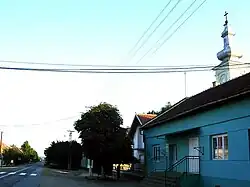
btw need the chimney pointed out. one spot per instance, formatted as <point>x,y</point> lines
<point>214,83</point>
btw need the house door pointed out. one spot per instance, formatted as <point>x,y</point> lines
<point>172,154</point>
<point>193,162</point>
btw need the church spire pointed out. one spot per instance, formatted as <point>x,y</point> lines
<point>228,57</point>
<point>227,53</point>
<point>226,21</point>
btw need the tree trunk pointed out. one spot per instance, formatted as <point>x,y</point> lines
<point>102,172</point>
<point>118,171</point>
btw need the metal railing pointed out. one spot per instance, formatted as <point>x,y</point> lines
<point>188,164</point>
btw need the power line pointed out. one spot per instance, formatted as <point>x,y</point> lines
<point>70,147</point>
<point>90,65</point>
<point>45,123</point>
<point>122,71</point>
<point>149,36</point>
<point>118,67</point>
<point>145,32</point>
<point>169,28</point>
<point>170,36</point>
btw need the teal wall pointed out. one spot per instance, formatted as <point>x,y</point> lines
<point>227,173</point>
<point>182,143</point>
<point>151,164</point>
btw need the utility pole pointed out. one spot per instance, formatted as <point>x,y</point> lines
<point>70,143</point>
<point>1,143</point>
<point>185,83</point>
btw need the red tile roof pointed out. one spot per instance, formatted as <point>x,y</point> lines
<point>139,119</point>
<point>144,118</point>
<point>233,89</point>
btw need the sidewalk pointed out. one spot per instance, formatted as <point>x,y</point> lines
<point>52,181</point>
<point>54,178</point>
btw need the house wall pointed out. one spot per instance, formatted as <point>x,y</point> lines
<point>138,139</point>
<point>226,173</point>
<point>138,144</point>
<point>151,164</point>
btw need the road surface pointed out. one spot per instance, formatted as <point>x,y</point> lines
<point>35,175</point>
<point>22,176</point>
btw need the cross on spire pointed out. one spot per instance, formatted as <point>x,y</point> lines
<point>226,21</point>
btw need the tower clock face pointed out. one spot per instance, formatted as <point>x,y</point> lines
<point>223,78</point>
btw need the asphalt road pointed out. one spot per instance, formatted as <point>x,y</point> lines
<point>22,176</point>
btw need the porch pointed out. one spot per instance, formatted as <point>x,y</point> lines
<point>178,163</point>
<point>179,152</point>
<point>184,151</point>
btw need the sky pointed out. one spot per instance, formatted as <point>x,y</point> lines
<point>41,106</point>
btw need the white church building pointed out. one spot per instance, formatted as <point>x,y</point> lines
<point>232,63</point>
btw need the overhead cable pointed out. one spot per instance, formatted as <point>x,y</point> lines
<point>171,35</point>
<point>115,71</point>
<point>164,34</point>
<point>149,36</point>
<point>145,32</point>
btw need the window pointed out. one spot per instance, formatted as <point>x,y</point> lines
<point>156,152</point>
<point>220,147</point>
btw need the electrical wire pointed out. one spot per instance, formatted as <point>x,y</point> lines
<point>149,36</point>
<point>171,35</point>
<point>121,67</point>
<point>145,32</point>
<point>115,71</point>
<point>98,66</point>
<point>169,28</point>
<point>45,123</point>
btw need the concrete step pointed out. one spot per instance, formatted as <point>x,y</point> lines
<point>158,180</point>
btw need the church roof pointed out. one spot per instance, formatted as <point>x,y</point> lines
<point>221,94</point>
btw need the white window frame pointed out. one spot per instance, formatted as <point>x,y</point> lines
<point>223,146</point>
<point>156,149</point>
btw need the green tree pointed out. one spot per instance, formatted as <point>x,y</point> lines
<point>57,154</point>
<point>29,153</point>
<point>13,153</point>
<point>102,136</point>
<point>163,109</point>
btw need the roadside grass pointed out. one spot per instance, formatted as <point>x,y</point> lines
<point>46,172</point>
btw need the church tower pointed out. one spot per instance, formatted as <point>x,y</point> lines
<point>231,65</point>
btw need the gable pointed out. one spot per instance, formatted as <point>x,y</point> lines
<point>138,121</point>
<point>133,127</point>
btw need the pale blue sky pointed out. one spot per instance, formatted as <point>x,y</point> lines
<point>101,32</point>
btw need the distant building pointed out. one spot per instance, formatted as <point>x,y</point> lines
<point>137,137</point>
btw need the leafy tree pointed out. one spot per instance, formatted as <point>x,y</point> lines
<point>102,136</point>
<point>163,109</point>
<point>57,154</point>
<point>21,155</point>
<point>29,153</point>
<point>13,153</point>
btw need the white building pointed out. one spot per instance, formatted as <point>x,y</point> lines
<point>137,137</point>
<point>232,62</point>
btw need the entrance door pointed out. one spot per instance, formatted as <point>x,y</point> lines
<point>172,154</point>
<point>193,162</point>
